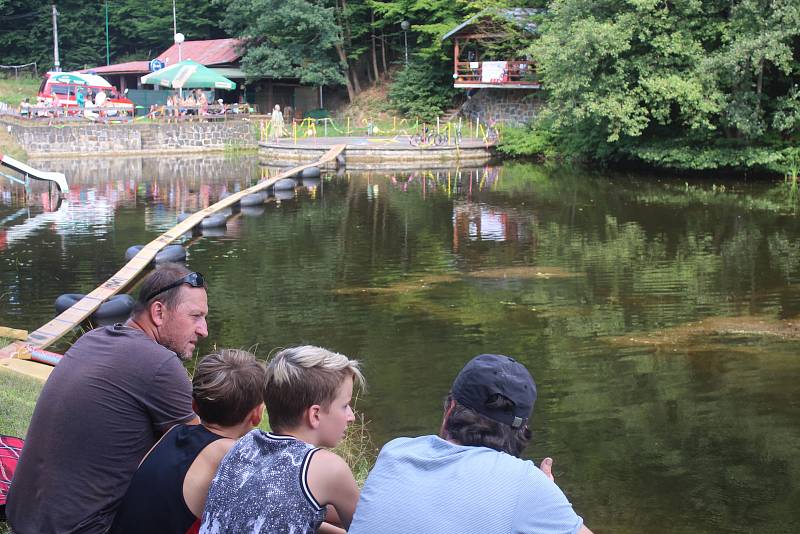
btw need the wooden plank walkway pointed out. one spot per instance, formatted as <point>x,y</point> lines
<point>64,323</point>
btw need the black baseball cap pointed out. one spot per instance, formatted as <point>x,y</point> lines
<point>488,375</point>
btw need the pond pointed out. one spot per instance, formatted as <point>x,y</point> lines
<point>659,317</point>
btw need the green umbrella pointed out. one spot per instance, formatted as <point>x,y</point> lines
<point>68,78</point>
<point>188,75</point>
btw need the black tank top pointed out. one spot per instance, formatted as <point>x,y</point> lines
<point>154,501</point>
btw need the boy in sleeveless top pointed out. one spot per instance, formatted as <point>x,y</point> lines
<point>282,481</point>
<point>168,491</point>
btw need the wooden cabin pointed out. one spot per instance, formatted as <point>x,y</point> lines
<point>474,61</point>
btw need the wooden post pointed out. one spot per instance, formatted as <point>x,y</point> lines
<point>455,61</point>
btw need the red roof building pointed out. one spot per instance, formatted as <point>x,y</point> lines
<point>222,55</point>
<point>209,53</point>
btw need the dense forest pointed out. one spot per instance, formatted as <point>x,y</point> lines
<point>684,84</point>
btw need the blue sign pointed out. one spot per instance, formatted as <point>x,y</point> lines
<point>156,64</point>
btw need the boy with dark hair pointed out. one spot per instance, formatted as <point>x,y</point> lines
<point>282,481</point>
<point>168,491</point>
<point>471,479</point>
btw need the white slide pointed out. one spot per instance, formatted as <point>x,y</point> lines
<point>29,171</point>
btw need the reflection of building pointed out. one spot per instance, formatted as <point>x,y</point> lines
<point>459,182</point>
<point>484,222</point>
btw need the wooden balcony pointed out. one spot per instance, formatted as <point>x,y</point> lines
<point>497,74</point>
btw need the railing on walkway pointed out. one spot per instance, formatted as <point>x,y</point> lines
<point>496,73</point>
<point>195,112</point>
<point>453,132</point>
<point>70,115</point>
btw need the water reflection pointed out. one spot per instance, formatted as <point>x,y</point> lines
<point>658,316</point>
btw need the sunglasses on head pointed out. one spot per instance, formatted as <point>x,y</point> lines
<point>193,279</point>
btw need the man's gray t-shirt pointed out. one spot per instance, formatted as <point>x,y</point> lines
<point>103,407</point>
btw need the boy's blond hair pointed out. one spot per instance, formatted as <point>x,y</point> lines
<point>300,377</point>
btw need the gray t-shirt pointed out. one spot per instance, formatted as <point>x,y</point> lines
<point>429,485</point>
<point>103,407</point>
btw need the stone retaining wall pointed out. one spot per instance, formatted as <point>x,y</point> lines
<point>93,139</point>
<point>508,106</point>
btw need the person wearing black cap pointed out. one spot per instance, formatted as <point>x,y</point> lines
<point>470,479</point>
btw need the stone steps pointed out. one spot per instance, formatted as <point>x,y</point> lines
<point>148,138</point>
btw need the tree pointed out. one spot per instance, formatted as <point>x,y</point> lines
<point>289,39</point>
<point>686,84</point>
<point>138,30</point>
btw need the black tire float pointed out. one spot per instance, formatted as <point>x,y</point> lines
<point>253,199</point>
<point>253,211</point>
<point>216,220</point>
<point>116,307</point>
<point>170,253</point>
<point>219,231</point>
<point>284,195</point>
<point>285,184</point>
<point>310,172</point>
<point>311,182</point>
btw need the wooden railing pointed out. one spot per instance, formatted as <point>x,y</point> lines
<point>496,72</point>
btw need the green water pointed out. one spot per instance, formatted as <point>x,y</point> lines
<point>658,316</point>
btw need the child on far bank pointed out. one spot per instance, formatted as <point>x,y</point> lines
<point>168,491</point>
<point>283,481</point>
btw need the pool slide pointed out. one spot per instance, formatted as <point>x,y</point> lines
<point>30,172</point>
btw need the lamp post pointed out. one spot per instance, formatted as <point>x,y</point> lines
<point>405,25</point>
<point>179,39</point>
<point>174,19</point>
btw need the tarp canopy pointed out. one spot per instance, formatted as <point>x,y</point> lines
<point>188,74</point>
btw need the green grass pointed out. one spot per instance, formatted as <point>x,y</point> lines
<point>358,450</point>
<point>18,394</point>
<point>9,146</point>
<point>13,91</point>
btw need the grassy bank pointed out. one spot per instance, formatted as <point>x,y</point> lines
<point>18,396</point>
<point>13,91</point>
<point>8,145</point>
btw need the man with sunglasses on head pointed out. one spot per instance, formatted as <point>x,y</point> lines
<point>115,392</point>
